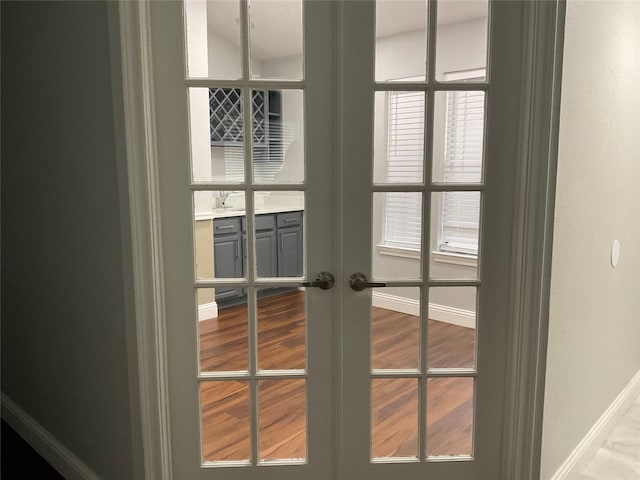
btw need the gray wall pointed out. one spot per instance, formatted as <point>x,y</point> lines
<point>66,340</point>
<point>594,324</point>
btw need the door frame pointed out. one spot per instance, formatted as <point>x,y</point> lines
<point>543,27</point>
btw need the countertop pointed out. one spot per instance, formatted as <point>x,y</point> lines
<point>239,212</point>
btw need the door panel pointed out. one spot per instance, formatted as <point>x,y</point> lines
<point>430,169</point>
<point>227,420</point>
<point>405,175</point>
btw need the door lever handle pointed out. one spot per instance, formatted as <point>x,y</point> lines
<point>358,282</point>
<point>324,281</point>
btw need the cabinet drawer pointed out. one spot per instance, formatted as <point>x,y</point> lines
<point>289,219</point>
<point>225,226</point>
<point>262,222</point>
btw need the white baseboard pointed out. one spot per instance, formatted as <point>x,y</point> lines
<point>579,458</point>
<point>207,311</point>
<point>395,303</point>
<point>455,316</point>
<point>43,442</point>
<point>441,313</point>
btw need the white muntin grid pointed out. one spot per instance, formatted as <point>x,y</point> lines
<point>426,188</point>
<point>248,187</point>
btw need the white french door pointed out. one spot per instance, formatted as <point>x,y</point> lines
<point>428,409</point>
<point>300,137</point>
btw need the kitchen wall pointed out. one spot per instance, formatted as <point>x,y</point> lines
<point>594,319</point>
<point>68,335</point>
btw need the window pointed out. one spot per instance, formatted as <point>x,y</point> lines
<point>459,226</point>
<point>464,133</point>
<point>404,165</point>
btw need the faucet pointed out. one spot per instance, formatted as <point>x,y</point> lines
<point>221,199</point>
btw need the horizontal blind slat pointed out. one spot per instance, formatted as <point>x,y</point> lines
<point>463,163</point>
<point>405,143</point>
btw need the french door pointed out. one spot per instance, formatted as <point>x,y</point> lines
<point>370,143</point>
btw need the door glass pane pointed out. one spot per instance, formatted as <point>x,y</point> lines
<point>450,413</point>
<point>452,327</point>
<point>226,434</point>
<point>279,227</point>
<point>455,229</point>
<point>394,417</point>
<point>401,39</point>
<point>395,328</point>
<point>282,419</point>
<point>278,136</point>
<point>398,150</point>
<point>458,137</point>
<point>223,334</point>
<point>397,235</point>
<point>213,38</point>
<point>281,329</point>
<point>276,39</point>
<point>218,248</point>
<point>215,122</point>
<point>461,37</point>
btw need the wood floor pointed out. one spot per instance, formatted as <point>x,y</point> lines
<point>282,409</point>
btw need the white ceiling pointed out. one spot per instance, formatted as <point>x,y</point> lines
<point>276,29</point>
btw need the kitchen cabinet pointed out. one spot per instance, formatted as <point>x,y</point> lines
<point>227,255</point>
<point>289,229</point>
<point>279,251</point>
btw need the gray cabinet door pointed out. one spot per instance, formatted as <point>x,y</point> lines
<point>266,254</point>
<point>290,251</point>
<point>266,246</point>
<point>227,263</point>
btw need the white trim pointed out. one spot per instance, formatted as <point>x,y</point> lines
<point>440,313</point>
<point>412,253</point>
<point>207,311</point>
<point>533,236</point>
<point>438,256</point>
<point>584,451</point>
<point>395,303</point>
<point>113,16</point>
<point>42,441</point>
<point>452,315</point>
<point>148,277</point>
<point>462,75</point>
<point>455,258</point>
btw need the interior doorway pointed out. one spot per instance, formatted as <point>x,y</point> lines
<point>365,192</point>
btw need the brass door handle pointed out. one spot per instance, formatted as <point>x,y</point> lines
<point>358,282</point>
<point>324,281</point>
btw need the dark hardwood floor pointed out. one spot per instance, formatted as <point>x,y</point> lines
<point>282,409</point>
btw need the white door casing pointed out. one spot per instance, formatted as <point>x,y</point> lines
<point>542,25</point>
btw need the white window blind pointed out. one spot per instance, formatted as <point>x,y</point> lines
<point>405,150</point>
<point>462,164</point>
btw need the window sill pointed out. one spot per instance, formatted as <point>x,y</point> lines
<point>455,258</point>
<point>437,256</point>
<point>399,252</point>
